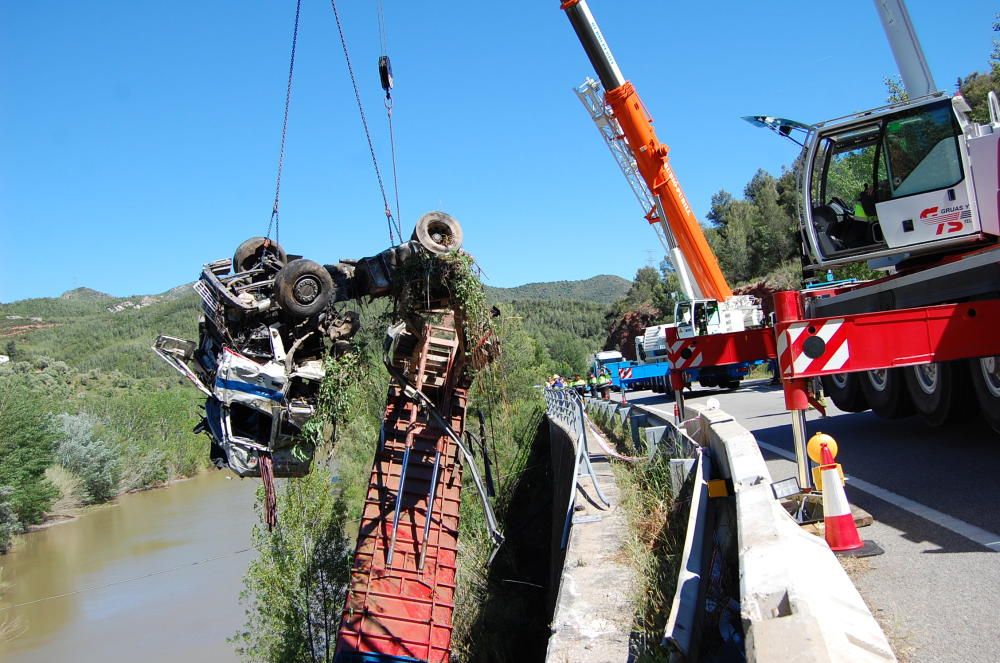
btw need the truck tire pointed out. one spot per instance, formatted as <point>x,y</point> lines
<point>985,374</point>
<point>730,385</point>
<point>886,393</point>
<point>303,288</point>
<point>844,389</point>
<point>438,233</point>
<point>939,391</point>
<point>249,253</point>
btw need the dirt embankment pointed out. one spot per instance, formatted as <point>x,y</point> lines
<point>18,330</point>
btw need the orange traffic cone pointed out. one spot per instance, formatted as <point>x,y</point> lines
<point>841,532</point>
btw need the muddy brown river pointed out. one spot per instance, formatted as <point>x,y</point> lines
<point>155,577</point>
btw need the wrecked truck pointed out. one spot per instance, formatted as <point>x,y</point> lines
<point>267,321</point>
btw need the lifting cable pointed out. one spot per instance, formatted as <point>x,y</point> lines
<point>275,219</point>
<point>390,220</point>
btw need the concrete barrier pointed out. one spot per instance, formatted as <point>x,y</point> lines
<point>797,602</point>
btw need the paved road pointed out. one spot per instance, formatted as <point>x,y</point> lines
<point>936,590</point>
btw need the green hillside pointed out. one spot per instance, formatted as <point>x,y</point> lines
<point>90,330</point>
<point>604,289</point>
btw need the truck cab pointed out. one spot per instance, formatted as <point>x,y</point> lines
<point>604,359</point>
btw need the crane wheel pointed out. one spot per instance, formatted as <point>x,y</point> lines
<point>886,393</point>
<point>303,288</point>
<point>249,253</point>
<point>844,389</point>
<point>985,374</point>
<point>939,391</point>
<point>438,233</point>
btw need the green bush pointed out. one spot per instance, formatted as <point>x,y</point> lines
<point>94,460</point>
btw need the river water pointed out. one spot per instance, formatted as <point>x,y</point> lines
<point>155,577</point>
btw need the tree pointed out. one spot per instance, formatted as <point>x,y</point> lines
<point>895,92</point>
<point>9,524</point>
<point>647,289</point>
<point>775,238</point>
<point>294,588</point>
<point>26,440</point>
<point>94,460</point>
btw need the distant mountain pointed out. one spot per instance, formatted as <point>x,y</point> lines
<point>88,329</point>
<point>85,294</point>
<point>603,289</point>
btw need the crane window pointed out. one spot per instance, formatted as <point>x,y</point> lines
<point>852,164</point>
<point>921,147</point>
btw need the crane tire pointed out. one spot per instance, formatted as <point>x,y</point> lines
<point>303,288</point>
<point>985,374</point>
<point>939,391</point>
<point>886,393</point>
<point>844,389</point>
<point>438,233</point>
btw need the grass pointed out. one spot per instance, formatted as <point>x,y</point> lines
<point>71,494</point>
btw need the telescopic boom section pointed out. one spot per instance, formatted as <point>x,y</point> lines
<point>650,154</point>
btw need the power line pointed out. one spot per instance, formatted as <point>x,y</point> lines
<point>127,580</point>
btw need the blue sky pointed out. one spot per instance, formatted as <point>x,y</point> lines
<point>139,139</point>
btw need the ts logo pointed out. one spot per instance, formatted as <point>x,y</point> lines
<point>947,220</point>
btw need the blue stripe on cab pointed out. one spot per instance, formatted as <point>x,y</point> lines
<point>247,388</point>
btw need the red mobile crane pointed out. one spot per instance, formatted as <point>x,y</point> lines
<point>927,214</point>
<point>710,307</point>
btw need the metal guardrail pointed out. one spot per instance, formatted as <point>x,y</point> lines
<point>677,440</point>
<point>565,407</point>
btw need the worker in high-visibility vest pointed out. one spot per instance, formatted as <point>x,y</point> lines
<point>604,384</point>
<point>592,383</point>
<point>579,384</point>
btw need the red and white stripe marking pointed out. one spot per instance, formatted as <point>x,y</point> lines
<point>624,373</point>
<point>794,361</point>
<point>676,358</point>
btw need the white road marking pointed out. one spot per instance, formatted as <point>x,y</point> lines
<point>960,527</point>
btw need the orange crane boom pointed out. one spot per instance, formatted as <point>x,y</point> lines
<point>650,155</point>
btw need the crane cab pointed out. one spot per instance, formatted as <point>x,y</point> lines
<point>897,182</point>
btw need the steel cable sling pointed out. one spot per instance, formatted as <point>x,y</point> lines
<point>275,217</point>
<point>391,221</point>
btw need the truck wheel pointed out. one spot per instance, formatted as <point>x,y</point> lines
<point>438,233</point>
<point>249,253</point>
<point>303,288</point>
<point>730,385</point>
<point>939,391</point>
<point>844,389</point>
<point>985,373</point>
<point>886,393</point>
